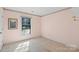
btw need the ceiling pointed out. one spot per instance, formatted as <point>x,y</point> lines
<point>39,11</point>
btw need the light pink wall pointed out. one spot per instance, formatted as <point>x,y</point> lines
<point>16,35</point>
<point>61,27</point>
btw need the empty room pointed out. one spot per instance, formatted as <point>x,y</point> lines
<point>39,29</point>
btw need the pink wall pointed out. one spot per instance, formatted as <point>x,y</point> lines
<point>16,35</point>
<point>61,27</point>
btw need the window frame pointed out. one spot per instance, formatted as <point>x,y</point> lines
<point>29,24</point>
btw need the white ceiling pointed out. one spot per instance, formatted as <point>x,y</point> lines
<point>40,11</point>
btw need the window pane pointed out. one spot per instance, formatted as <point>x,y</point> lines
<point>26,24</point>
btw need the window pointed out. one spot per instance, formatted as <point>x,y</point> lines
<point>12,23</point>
<point>26,25</point>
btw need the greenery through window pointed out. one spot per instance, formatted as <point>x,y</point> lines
<point>26,24</point>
